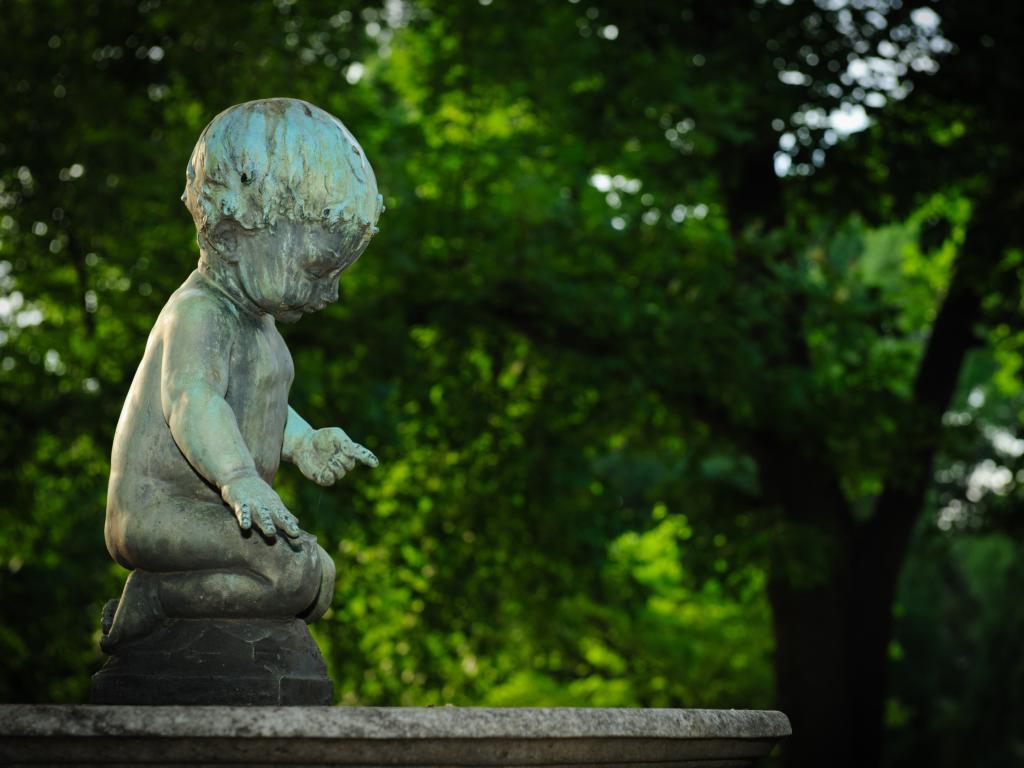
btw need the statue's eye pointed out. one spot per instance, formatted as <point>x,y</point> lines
<point>323,272</point>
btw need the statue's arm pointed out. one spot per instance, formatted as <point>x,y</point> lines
<point>198,335</point>
<point>296,429</point>
<point>194,378</point>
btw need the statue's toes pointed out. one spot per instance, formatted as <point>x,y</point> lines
<point>108,644</point>
<point>107,619</point>
<point>111,640</point>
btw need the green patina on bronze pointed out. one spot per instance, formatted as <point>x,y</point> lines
<point>284,201</point>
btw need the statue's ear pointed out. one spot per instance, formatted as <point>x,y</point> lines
<point>223,239</point>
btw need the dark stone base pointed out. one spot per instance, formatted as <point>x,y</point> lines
<point>241,662</point>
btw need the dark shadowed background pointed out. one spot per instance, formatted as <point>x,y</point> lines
<point>691,346</point>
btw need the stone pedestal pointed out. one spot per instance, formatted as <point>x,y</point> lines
<point>358,736</point>
<point>221,661</point>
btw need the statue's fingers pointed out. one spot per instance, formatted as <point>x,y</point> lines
<point>288,516</point>
<point>244,516</point>
<point>363,455</point>
<point>325,477</point>
<point>342,461</point>
<point>265,521</point>
<point>287,522</point>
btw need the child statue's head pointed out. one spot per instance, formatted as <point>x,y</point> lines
<point>283,200</point>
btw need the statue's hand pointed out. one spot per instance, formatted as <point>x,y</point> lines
<point>327,455</point>
<point>254,501</point>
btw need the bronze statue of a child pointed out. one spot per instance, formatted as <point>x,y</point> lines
<point>283,201</point>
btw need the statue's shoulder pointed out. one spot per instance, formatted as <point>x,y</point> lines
<point>198,303</point>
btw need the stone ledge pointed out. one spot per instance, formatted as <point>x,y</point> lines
<point>366,736</point>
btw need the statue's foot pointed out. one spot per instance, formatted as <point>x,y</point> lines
<point>107,619</point>
<point>138,613</point>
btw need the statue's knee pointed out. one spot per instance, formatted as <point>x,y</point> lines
<point>297,572</point>
<point>327,570</point>
<point>126,542</point>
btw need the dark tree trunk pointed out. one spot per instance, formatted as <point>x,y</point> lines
<point>831,658</point>
<point>870,624</point>
<point>810,654</point>
<point>833,634</point>
<point>809,589</point>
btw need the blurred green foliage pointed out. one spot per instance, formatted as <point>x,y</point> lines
<point>682,317</point>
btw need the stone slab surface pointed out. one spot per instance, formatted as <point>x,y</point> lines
<point>367,736</point>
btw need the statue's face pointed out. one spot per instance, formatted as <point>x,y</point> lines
<point>292,268</point>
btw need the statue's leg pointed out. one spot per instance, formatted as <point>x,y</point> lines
<point>138,611</point>
<point>326,592</point>
<point>211,569</point>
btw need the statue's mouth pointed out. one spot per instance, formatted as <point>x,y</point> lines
<point>314,305</point>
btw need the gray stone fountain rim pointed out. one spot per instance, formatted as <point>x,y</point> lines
<point>390,722</point>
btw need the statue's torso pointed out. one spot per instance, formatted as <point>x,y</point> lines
<point>146,464</point>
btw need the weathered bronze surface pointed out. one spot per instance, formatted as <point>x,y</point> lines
<point>284,201</point>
